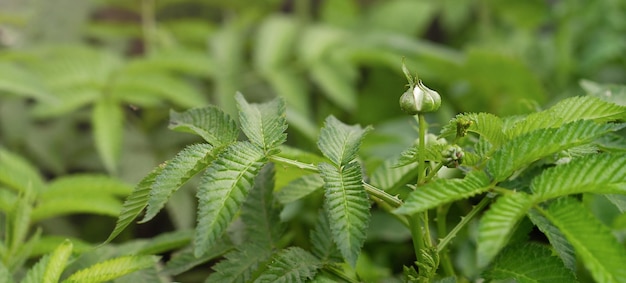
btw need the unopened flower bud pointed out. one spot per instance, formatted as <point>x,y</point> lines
<point>420,99</point>
<point>452,156</point>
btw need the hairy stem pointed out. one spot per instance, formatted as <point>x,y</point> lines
<point>464,220</point>
<point>421,163</point>
<point>446,263</point>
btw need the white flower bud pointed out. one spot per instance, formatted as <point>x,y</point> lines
<point>420,99</point>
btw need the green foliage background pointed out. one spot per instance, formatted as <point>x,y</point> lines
<point>86,89</point>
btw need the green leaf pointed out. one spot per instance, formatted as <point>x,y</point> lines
<point>290,265</point>
<point>347,206</point>
<point>133,86</point>
<point>5,274</point>
<point>166,242</point>
<point>85,184</point>
<point>18,174</point>
<point>337,80</point>
<point>275,41</point>
<point>601,173</point>
<point>443,191</point>
<point>340,142</point>
<point>264,124</point>
<point>187,163</point>
<point>86,203</point>
<point>594,243</point>
<point>108,128</point>
<point>607,92</point>
<point>223,189</point>
<point>300,188</point>
<point>185,260</point>
<point>58,261</point>
<point>213,125</point>
<point>561,246</point>
<point>529,263</point>
<point>525,149</point>
<point>18,222</point>
<point>432,152</point>
<point>498,224</point>
<point>35,274</point>
<point>47,244</point>
<point>16,80</point>
<point>135,203</point>
<point>322,240</point>
<point>111,269</point>
<point>238,266</point>
<point>261,213</point>
<point>486,125</point>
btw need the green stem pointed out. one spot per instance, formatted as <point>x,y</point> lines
<point>432,173</point>
<point>464,220</point>
<point>148,25</point>
<point>416,235</point>
<point>421,163</point>
<point>374,191</point>
<point>446,263</point>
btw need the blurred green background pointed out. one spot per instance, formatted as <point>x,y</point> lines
<point>86,86</point>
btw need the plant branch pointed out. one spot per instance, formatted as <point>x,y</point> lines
<point>442,214</point>
<point>464,220</point>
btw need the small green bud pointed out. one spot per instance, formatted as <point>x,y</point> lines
<point>452,156</point>
<point>420,99</point>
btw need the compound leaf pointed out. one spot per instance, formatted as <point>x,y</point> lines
<point>347,206</point>
<point>290,265</point>
<point>529,263</point>
<point>442,191</point>
<point>601,173</point>
<point>535,145</point>
<point>111,269</point>
<point>135,202</point>
<point>223,189</point>
<point>264,124</point>
<point>322,240</point>
<point>340,142</point>
<point>260,213</point>
<point>187,163</point>
<point>487,125</point>
<point>498,224</point>
<point>239,265</point>
<point>35,274</point>
<point>213,125</point>
<point>594,243</point>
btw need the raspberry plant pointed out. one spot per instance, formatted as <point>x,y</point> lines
<point>524,171</point>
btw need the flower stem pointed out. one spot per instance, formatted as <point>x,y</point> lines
<point>464,220</point>
<point>446,263</point>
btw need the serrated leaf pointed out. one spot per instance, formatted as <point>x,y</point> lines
<point>347,207</point>
<point>108,125</point>
<point>499,223</point>
<point>135,203</point>
<point>525,149</point>
<point>443,191</point>
<point>529,263</point>
<point>340,142</point>
<point>18,222</point>
<point>566,111</point>
<point>112,268</point>
<point>35,274</point>
<point>185,259</point>
<point>601,173</point>
<point>322,240</point>
<point>261,213</point>
<point>18,174</point>
<point>58,261</point>
<point>223,189</point>
<point>432,152</point>
<point>177,171</point>
<point>239,265</point>
<point>264,124</point>
<point>85,184</point>
<point>213,125</point>
<point>300,188</point>
<point>290,265</point>
<point>486,125</point>
<point>594,243</point>
<point>561,246</point>
<point>59,205</point>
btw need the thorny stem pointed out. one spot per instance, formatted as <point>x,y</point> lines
<point>442,214</point>
<point>376,192</point>
<point>464,220</point>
